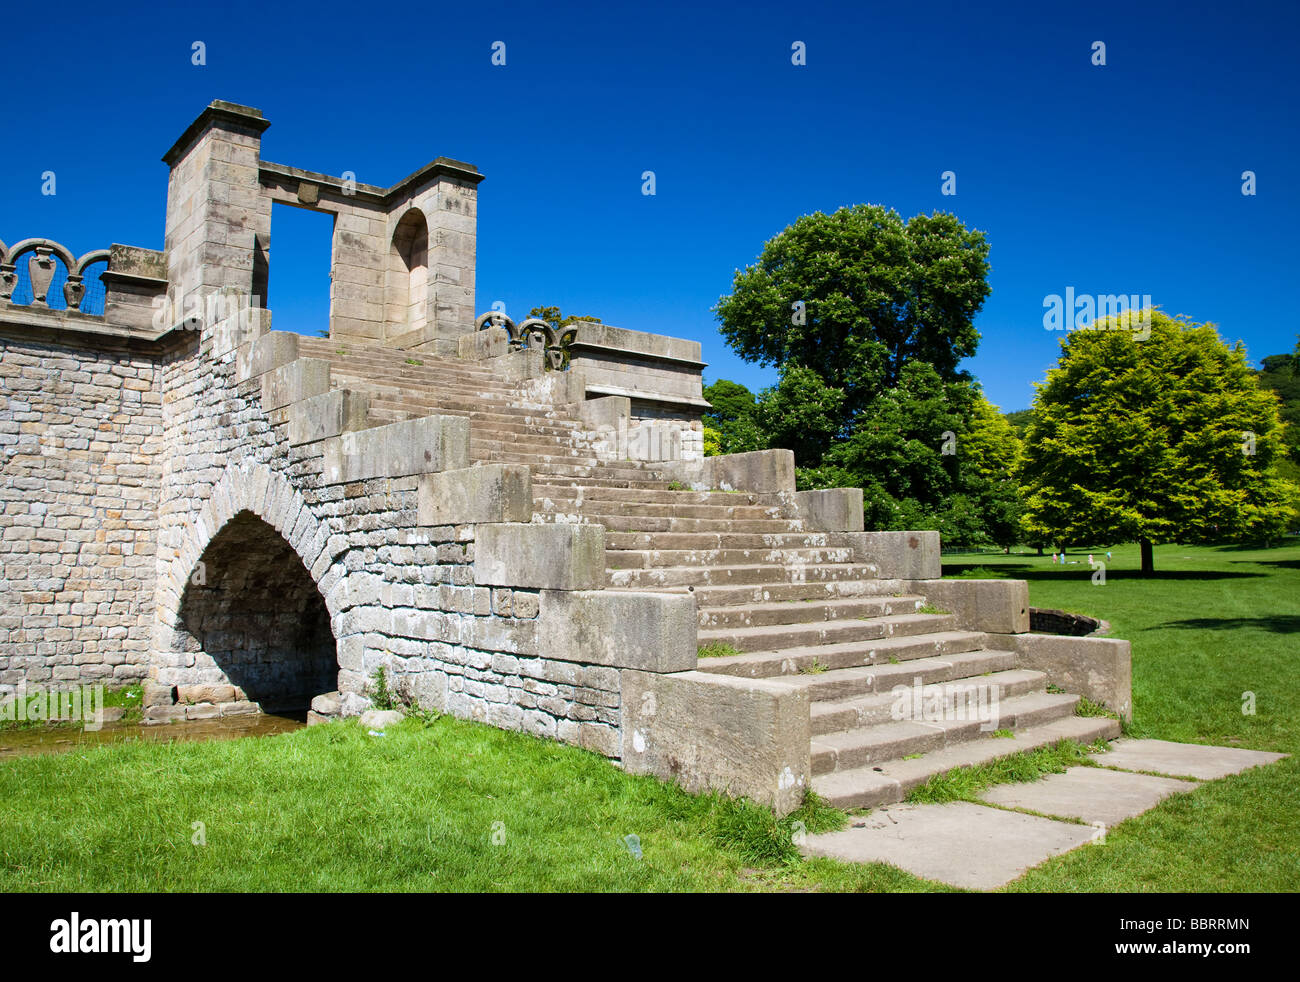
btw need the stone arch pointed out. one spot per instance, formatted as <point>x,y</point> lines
<point>243,602</point>
<point>407,278</point>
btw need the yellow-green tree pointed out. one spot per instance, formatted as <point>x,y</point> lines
<point>1150,430</point>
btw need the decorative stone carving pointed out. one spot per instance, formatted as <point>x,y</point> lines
<point>534,333</point>
<point>40,268</point>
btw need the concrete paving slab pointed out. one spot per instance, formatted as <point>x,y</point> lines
<point>960,843</point>
<point>1090,794</point>
<point>1183,759</point>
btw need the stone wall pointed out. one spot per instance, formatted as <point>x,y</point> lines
<point>80,439</point>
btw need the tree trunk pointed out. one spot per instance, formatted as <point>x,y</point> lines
<point>1148,560</point>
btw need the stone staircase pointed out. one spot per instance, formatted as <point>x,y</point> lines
<point>790,601</point>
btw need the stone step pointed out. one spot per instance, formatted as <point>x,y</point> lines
<point>863,746</point>
<point>854,656</point>
<point>851,683</point>
<point>783,637</point>
<point>476,409</point>
<point>590,495</point>
<point>602,508</point>
<point>870,710</point>
<point>523,419</point>
<point>698,541</point>
<point>801,612</point>
<point>759,593</point>
<point>892,780</point>
<point>649,558</point>
<point>661,576</point>
<point>488,426</point>
<point>497,453</point>
<point>641,523</point>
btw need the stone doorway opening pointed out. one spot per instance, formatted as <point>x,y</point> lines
<point>256,620</point>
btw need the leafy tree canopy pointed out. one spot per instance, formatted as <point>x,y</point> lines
<point>876,293</point>
<point>1168,439</point>
<point>556,319</point>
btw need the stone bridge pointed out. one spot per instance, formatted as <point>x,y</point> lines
<point>518,525</point>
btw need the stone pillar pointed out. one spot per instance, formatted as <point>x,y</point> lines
<point>453,230</point>
<point>218,219</point>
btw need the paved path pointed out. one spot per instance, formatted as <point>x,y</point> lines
<point>980,847</point>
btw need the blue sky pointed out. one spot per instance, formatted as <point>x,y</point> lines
<point>1124,178</point>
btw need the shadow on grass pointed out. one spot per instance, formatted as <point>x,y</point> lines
<point>1026,571</point>
<point>1279,563</point>
<point>1277,623</point>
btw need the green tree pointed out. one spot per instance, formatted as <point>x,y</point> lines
<point>556,319</point>
<point>1019,421</point>
<point>801,413</point>
<point>1280,374</point>
<point>732,426</point>
<point>929,453</point>
<point>1168,439</point>
<point>859,294</point>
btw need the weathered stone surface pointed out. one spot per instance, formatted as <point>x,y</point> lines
<point>544,557</point>
<point>763,471</point>
<point>1090,794</point>
<point>962,844</point>
<point>326,415</point>
<point>417,446</point>
<point>747,737</point>
<point>831,510</point>
<point>242,326</point>
<point>158,695</point>
<point>327,704</point>
<point>473,495</point>
<point>999,606</point>
<point>653,632</point>
<point>1099,668</point>
<point>298,380</point>
<point>1184,759</point>
<point>380,719</point>
<point>905,555</point>
<point>492,342</point>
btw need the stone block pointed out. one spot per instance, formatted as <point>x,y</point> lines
<point>294,382</point>
<point>545,557</point>
<point>831,509</point>
<point>492,342</point>
<point>243,326</point>
<point>999,606</point>
<point>900,555</point>
<point>266,354</point>
<point>327,415</point>
<point>414,446</point>
<point>158,695</point>
<point>607,411</point>
<point>1099,668</point>
<point>472,495</point>
<point>380,719</point>
<point>760,471</point>
<point>652,632</point>
<point>744,737</point>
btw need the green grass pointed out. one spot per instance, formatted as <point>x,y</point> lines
<point>442,805</point>
<point>718,649</point>
<point>1212,624</point>
<point>928,608</point>
<point>126,697</point>
<point>968,783</point>
<point>330,808</point>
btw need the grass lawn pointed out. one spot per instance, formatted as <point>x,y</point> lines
<point>459,806</point>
